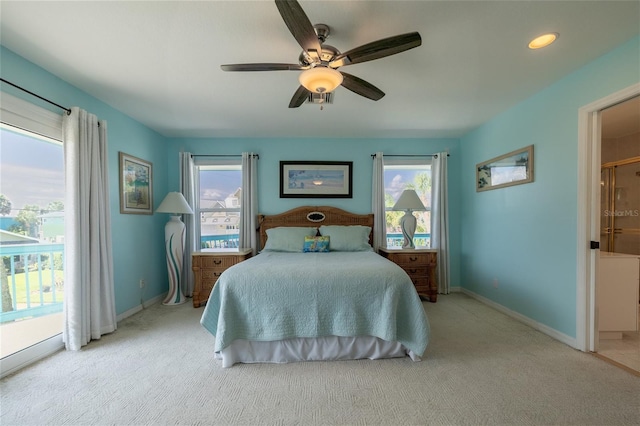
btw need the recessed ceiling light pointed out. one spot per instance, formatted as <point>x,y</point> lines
<point>543,41</point>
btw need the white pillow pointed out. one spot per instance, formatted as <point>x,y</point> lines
<point>347,238</point>
<point>288,238</point>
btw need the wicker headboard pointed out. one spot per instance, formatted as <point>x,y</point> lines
<point>313,216</point>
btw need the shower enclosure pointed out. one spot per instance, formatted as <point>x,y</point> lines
<point>620,206</point>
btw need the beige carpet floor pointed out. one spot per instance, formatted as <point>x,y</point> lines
<point>481,368</point>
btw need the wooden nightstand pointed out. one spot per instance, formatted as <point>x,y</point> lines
<point>420,265</point>
<point>207,266</point>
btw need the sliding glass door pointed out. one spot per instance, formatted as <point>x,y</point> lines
<point>31,238</point>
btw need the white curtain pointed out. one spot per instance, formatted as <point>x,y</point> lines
<point>89,301</point>
<point>377,203</point>
<point>249,202</point>
<point>440,218</point>
<point>188,189</point>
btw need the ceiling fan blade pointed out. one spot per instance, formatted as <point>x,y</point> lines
<point>299,97</point>
<point>378,49</point>
<point>263,67</point>
<point>300,26</point>
<point>361,87</point>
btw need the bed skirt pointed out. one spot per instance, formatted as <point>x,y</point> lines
<point>311,349</point>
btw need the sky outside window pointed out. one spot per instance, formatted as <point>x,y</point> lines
<point>31,169</point>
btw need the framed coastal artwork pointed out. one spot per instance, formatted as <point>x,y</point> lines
<point>513,168</point>
<point>136,185</point>
<point>316,179</point>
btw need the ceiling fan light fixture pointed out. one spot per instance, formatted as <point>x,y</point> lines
<point>320,79</point>
<point>543,40</point>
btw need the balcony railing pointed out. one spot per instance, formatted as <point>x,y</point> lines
<point>34,280</point>
<point>419,239</point>
<point>220,241</point>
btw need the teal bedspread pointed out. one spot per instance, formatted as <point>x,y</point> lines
<point>275,296</point>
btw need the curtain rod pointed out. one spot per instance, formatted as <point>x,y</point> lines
<point>37,96</point>
<point>409,155</point>
<point>223,155</point>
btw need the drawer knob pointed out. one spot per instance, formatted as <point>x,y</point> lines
<point>413,258</point>
<point>217,261</point>
<point>413,271</point>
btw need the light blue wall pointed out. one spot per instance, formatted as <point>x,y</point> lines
<point>272,151</point>
<point>525,236</point>
<point>138,240</point>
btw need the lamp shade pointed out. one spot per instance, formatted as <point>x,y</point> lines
<point>174,203</point>
<point>409,200</point>
<point>320,79</point>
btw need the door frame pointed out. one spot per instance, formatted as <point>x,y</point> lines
<point>589,215</point>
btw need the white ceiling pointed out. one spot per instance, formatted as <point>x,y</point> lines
<point>159,61</point>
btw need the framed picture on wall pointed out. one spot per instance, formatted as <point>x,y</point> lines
<point>316,179</point>
<point>513,168</point>
<point>136,185</point>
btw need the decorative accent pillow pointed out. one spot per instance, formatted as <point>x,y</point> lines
<point>316,244</point>
<point>288,238</point>
<point>347,238</point>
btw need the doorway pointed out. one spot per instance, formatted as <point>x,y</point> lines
<point>588,214</point>
<point>618,339</point>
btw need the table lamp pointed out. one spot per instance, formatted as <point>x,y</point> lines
<point>408,201</point>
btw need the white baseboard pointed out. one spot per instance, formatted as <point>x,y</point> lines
<point>568,340</point>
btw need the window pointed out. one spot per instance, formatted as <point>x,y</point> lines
<point>401,174</point>
<point>218,206</point>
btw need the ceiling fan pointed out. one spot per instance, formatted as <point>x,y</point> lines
<point>319,62</point>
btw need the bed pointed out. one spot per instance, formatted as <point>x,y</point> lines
<point>316,291</point>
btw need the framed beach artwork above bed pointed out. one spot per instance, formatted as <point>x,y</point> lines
<point>316,179</point>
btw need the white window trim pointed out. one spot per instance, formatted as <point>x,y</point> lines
<point>25,115</point>
<point>220,164</point>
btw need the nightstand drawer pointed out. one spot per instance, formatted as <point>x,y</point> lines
<point>210,275</point>
<point>422,281</point>
<point>407,259</point>
<point>418,271</point>
<point>219,263</point>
